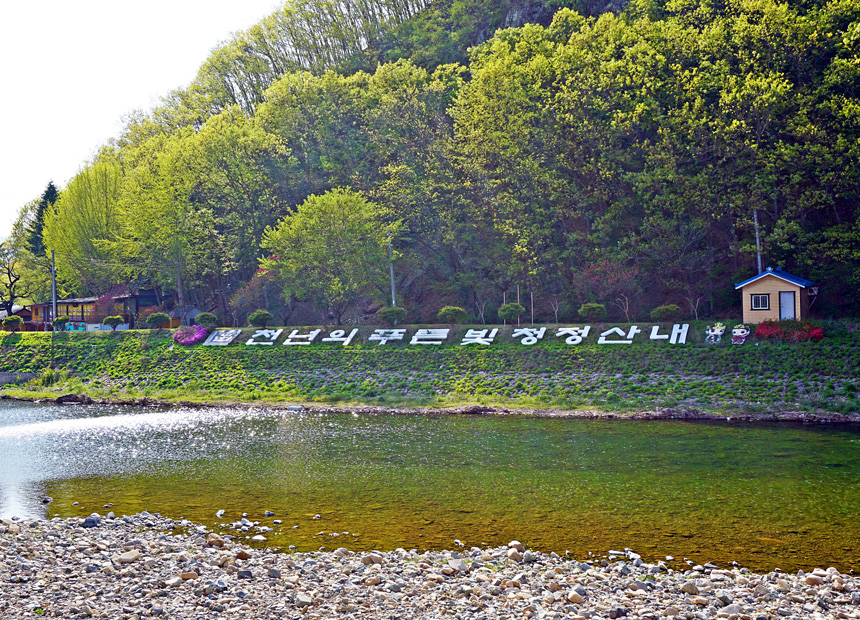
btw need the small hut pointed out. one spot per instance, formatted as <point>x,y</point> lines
<point>775,295</point>
<point>183,316</point>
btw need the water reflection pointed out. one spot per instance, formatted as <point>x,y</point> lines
<point>763,495</point>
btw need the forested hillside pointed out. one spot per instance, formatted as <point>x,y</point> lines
<point>570,150</point>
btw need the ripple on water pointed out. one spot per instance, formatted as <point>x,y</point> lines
<point>765,495</point>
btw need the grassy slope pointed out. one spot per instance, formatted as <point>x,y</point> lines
<point>822,376</point>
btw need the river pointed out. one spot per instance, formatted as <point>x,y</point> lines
<point>763,495</point>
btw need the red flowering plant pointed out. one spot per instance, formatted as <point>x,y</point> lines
<point>816,333</point>
<point>789,331</point>
<point>768,331</point>
<point>188,335</point>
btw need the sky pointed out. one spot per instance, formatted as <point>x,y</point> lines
<point>71,70</point>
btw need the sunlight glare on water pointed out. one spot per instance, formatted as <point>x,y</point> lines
<point>765,495</point>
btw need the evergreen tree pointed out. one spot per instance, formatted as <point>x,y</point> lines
<point>35,241</point>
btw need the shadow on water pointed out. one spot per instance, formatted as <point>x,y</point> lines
<point>764,495</point>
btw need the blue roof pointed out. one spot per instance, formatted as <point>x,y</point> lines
<point>778,273</point>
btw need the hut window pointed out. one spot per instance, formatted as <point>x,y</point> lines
<point>761,302</point>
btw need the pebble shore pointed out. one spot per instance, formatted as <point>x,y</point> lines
<point>131,567</point>
<point>658,413</point>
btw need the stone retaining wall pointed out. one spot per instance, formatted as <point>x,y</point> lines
<point>16,377</point>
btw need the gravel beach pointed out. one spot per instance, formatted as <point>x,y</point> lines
<point>138,567</point>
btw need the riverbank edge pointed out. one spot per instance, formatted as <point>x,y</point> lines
<point>725,381</point>
<point>660,413</point>
<point>148,565</point>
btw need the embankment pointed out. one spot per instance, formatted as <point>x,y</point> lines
<point>647,375</point>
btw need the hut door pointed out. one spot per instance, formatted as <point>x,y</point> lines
<point>786,305</point>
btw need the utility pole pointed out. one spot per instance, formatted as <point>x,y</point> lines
<point>391,273</point>
<point>181,301</point>
<point>757,240</point>
<point>53,287</point>
<point>53,303</point>
<point>518,303</point>
<point>504,302</point>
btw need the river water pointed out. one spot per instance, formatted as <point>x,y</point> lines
<point>763,495</point>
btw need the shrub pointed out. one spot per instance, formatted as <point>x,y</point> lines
<point>452,314</point>
<point>113,321</point>
<point>60,322</point>
<point>186,335</point>
<point>13,323</point>
<point>392,314</point>
<point>816,333</point>
<point>670,312</point>
<point>789,331</point>
<point>511,312</point>
<point>48,377</point>
<point>207,320</point>
<point>768,331</point>
<point>592,312</point>
<point>157,320</point>
<point>260,318</point>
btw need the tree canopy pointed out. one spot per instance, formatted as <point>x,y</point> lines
<point>331,250</point>
<point>81,222</point>
<point>13,288</point>
<point>586,156</point>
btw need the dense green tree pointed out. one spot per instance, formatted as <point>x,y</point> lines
<point>113,321</point>
<point>331,251</point>
<point>260,318</point>
<point>452,314</point>
<point>622,158</point>
<point>320,118</point>
<point>609,137</point>
<point>237,172</point>
<point>157,320</point>
<point>36,243</point>
<point>511,312</point>
<point>392,315</point>
<point>13,323</point>
<point>157,227</point>
<point>13,288</point>
<point>207,320</point>
<point>82,221</point>
<point>35,270</point>
<point>303,35</point>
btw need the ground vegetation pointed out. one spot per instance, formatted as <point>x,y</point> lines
<point>762,376</point>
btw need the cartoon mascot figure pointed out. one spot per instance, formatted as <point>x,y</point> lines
<point>740,333</point>
<point>715,333</point>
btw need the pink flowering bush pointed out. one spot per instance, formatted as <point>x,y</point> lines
<point>190,335</point>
